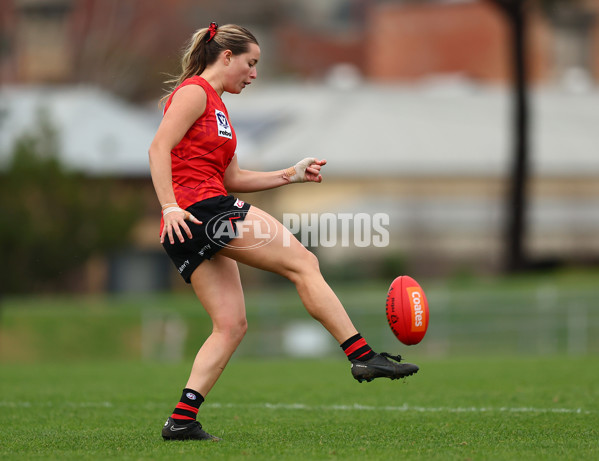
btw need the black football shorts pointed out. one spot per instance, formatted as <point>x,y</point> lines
<point>218,216</point>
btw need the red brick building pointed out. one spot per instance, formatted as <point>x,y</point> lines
<point>127,46</point>
<point>415,41</point>
<point>407,41</point>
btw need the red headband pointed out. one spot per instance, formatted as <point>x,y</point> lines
<point>211,31</point>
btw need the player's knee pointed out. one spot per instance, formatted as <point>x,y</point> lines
<point>303,263</point>
<point>311,261</point>
<point>238,330</point>
<point>233,328</point>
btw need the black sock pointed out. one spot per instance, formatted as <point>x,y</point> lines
<point>356,348</point>
<point>186,410</point>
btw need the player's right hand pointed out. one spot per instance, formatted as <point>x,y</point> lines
<point>174,221</point>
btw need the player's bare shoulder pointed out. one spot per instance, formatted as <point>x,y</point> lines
<point>189,100</point>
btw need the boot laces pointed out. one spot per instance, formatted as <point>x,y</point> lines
<point>397,357</point>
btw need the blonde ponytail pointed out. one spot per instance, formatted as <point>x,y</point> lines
<point>204,48</point>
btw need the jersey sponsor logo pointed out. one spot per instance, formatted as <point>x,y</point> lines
<point>222,125</point>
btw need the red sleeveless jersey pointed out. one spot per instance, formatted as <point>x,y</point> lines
<point>200,159</point>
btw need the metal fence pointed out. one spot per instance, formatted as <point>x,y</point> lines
<point>543,320</point>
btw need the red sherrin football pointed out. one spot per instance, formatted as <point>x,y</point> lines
<point>407,310</point>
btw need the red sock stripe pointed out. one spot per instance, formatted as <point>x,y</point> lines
<point>362,355</point>
<point>355,346</point>
<point>184,406</point>
<point>176,416</point>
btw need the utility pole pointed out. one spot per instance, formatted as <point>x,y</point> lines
<point>516,201</point>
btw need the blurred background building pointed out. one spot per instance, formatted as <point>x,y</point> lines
<point>126,47</point>
<point>409,101</point>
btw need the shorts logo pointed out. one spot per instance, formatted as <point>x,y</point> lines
<point>183,266</point>
<point>222,125</point>
<point>204,249</point>
<point>238,203</point>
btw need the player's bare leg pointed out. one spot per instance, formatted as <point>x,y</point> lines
<point>217,285</point>
<point>286,256</point>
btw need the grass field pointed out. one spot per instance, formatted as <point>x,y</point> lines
<point>509,371</point>
<point>547,315</point>
<point>470,408</point>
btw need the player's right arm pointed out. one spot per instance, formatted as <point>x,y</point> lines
<point>188,104</point>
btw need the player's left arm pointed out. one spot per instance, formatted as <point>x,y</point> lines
<point>238,180</point>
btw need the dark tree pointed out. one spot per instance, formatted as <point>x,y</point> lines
<point>53,219</point>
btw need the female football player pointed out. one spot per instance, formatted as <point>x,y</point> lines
<point>194,169</point>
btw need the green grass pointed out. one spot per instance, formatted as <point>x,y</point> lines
<point>470,408</point>
<point>509,371</point>
<point>543,315</point>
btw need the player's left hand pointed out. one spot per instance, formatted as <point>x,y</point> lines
<point>307,170</point>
